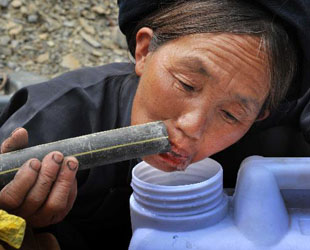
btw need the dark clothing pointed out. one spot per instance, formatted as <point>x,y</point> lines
<point>77,103</point>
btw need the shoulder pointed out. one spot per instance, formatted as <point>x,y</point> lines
<point>85,83</point>
<point>92,75</point>
<point>84,77</point>
<point>68,105</point>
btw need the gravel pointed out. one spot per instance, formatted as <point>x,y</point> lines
<point>51,37</point>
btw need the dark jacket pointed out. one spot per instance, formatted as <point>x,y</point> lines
<point>78,103</point>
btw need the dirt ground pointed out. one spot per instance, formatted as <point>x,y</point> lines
<point>50,37</point>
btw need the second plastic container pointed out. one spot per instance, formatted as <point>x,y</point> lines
<point>270,208</point>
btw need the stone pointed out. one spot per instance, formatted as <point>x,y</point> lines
<point>90,40</point>
<point>50,43</point>
<point>15,31</point>
<point>70,62</point>
<point>69,24</point>
<point>12,65</point>
<point>89,29</point>
<point>43,58</point>
<point>5,51</point>
<point>33,18</point>
<point>45,69</point>
<point>101,10</point>
<point>10,25</point>
<point>23,78</point>
<point>97,53</point>
<point>118,37</point>
<point>5,40</point>
<point>29,62</point>
<point>24,10</point>
<point>16,4</point>
<point>77,41</point>
<point>109,44</point>
<point>88,15</point>
<point>14,44</point>
<point>43,36</point>
<point>4,3</point>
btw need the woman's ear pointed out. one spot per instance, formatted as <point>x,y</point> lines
<point>143,41</point>
<point>263,115</point>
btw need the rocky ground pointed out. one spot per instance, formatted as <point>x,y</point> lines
<point>49,37</point>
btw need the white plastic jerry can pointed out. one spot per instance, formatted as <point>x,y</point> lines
<point>270,208</point>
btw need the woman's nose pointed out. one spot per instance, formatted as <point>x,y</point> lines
<point>193,124</point>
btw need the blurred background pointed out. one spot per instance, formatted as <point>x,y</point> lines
<point>50,37</point>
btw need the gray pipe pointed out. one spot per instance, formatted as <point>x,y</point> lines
<point>94,149</point>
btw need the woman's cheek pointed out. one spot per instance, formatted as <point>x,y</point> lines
<point>217,138</point>
<point>161,101</point>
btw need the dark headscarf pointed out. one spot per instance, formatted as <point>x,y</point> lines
<point>295,16</point>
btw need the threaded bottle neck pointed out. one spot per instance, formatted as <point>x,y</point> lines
<point>175,195</point>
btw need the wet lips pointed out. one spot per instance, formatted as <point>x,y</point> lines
<point>178,160</point>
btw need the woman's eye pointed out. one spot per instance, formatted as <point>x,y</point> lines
<point>187,87</point>
<point>229,116</point>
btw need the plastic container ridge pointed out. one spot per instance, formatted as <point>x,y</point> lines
<point>270,208</point>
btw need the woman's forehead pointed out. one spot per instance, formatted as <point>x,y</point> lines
<point>230,60</point>
<point>212,55</point>
<point>249,46</point>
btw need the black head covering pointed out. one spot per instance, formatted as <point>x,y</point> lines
<point>295,16</point>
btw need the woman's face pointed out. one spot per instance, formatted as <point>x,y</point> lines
<point>207,88</point>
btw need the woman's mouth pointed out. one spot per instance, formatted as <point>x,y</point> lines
<point>176,158</point>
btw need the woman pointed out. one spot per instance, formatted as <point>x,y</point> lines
<point>208,69</point>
